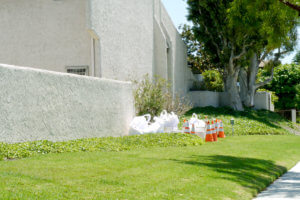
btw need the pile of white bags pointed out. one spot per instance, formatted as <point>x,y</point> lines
<point>199,125</point>
<point>165,123</point>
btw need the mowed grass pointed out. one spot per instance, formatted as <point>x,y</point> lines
<point>233,168</point>
<point>248,122</point>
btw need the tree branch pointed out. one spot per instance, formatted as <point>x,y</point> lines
<point>277,57</point>
<point>293,6</point>
<point>263,57</point>
<point>258,85</point>
<point>243,52</point>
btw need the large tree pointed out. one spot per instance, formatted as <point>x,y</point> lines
<point>276,37</point>
<point>233,31</point>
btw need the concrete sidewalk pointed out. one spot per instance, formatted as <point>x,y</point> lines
<point>286,188</point>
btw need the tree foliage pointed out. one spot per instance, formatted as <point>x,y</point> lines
<point>198,59</point>
<point>286,85</point>
<point>297,58</point>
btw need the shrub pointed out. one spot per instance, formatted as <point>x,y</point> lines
<point>177,104</point>
<point>149,96</point>
<point>286,86</point>
<point>27,149</point>
<point>153,97</point>
<point>213,80</point>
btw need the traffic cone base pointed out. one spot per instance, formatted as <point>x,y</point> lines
<point>221,134</point>
<point>215,137</point>
<point>209,138</point>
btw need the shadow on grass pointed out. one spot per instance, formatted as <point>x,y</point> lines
<point>267,117</point>
<point>252,173</point>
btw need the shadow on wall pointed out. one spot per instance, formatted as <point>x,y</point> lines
<point>269,118</point>
<point>248,172</point>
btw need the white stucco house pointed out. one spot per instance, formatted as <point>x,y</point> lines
<point>111,42</point>
<point>114,39</point>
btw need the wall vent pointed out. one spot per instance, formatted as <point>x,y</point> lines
<point>79,70</point>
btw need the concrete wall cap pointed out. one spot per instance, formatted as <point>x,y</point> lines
<point>35,70</point>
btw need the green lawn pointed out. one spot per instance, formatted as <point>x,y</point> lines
<point>249,122</point>
<point>233,168</point>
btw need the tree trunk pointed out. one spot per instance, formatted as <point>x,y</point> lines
<point>232,90</point>
<point>248,82</point>
<point>243,79</point>
<point>248,79</point>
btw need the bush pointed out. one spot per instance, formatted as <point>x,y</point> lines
<point>286,86</point>
<point>149,97</point>
<point>213,80</point>
<point>154,97</point>
<point>27,149</point>
<point>178,105</point>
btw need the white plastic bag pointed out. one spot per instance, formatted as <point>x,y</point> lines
<point>164,117</point>
<point>139,125</point>
<point>193,120</point>
<point>200,126</point>
<point>174,121</point>
<point>156,127</point>
<point>170,121</point>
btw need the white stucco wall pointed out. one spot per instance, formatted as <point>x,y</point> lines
<point>43,105</point>
<point>262,100</point>
<point>130,38</point>
<point>204,98</point>
<point>125,31</point>
<point>224,99</point>
<point>173,63</point>
<point>160,67</point>
<point>46,34</point>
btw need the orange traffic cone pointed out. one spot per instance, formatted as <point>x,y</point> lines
<point>186,127</point>
<point>217,124</point>
<point>208,137</point>
<point>193,131</point>
<point>214,131</point>
<point>221,132</point>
